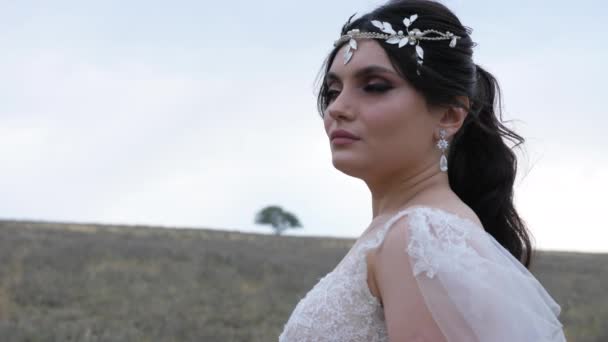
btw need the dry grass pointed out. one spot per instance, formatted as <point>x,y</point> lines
<point>71,282</point>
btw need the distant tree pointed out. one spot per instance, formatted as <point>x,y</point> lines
<point>279,219</point>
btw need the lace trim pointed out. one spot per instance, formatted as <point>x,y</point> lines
<point>341,305</point>
<point>435,241</point>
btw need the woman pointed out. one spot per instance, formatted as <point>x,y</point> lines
<point>445,257</point>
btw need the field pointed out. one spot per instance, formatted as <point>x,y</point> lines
<point>86,282</point>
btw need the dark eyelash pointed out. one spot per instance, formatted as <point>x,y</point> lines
<point>329,95</point>
<point>377,87</point>
<point>372,88</point>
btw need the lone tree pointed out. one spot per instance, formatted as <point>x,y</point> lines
<point>278,218</point>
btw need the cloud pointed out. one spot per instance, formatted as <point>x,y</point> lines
<point>170,124</point>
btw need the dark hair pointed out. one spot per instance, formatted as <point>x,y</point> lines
<point>482,166</point>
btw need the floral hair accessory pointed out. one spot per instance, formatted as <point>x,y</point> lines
<point>412,37</point>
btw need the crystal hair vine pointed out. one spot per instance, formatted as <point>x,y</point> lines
<point>413,37</point>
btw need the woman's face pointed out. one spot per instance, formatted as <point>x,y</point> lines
<point>368,98</point>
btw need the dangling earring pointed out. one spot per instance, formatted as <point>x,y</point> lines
<point>443,145</point>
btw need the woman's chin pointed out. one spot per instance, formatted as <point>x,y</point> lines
<point>346,164</point>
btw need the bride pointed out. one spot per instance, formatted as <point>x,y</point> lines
<point>446,255</point>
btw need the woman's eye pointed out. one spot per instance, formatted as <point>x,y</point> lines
<point>377,87</point>
<point>331,95</point>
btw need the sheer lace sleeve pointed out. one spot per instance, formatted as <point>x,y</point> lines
<point>473,287</point>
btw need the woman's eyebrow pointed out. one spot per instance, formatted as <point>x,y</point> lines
<point>331,76</point>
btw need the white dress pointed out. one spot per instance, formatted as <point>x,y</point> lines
<point>474,288</point>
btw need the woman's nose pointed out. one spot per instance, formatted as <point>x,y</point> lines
<point>340,107</point>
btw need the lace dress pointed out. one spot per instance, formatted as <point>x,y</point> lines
<point>460,270</point>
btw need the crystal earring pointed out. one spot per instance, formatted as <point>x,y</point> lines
<point>443,145</point>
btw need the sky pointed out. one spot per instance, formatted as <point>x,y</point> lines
<point>197,114</point>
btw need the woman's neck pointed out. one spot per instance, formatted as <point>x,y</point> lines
<point>394,193</point>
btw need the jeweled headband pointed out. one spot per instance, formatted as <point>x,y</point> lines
<point>413,37</point>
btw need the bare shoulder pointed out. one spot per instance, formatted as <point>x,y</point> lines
<point>390,252</point>
<point>390,256</point>
<point>396,287</point>
<point>464,211</point>
<point>454,206</point>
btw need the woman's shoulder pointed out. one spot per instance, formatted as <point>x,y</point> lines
<point>442,256</point>
<point>421,219</point>
<point>434,216</point>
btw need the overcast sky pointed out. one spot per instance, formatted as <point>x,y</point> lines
<point>198,113</point>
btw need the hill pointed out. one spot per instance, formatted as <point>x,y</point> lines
<point>85,282</point>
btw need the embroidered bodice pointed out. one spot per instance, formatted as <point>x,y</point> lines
<point>340,307</point>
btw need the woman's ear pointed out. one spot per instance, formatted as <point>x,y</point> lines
<point>452,117</point>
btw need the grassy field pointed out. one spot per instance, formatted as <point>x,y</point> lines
<point>78,282</point>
